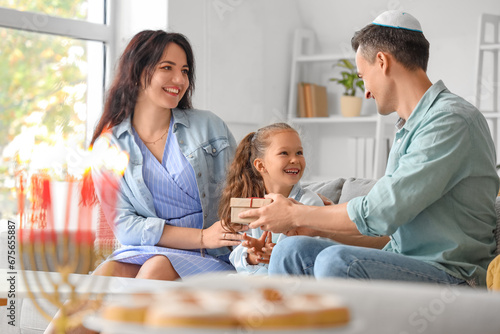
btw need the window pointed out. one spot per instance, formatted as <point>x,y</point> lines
<point>52,62</point>
<point>90,10</point>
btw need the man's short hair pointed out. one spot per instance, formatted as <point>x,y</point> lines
<point>408,47</point>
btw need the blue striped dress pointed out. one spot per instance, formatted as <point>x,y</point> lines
<point>176,199</point>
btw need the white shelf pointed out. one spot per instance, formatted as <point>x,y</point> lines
<point>489,47</point>
<point>491,114</point>
<point>373,161</point>
<point>321,57</point>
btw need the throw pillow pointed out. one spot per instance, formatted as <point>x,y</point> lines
<point>355,187</point>
<point>331,189</point>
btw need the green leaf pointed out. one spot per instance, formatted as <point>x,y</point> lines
<point>350,79</point>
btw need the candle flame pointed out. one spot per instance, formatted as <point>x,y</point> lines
<point>108,156</point>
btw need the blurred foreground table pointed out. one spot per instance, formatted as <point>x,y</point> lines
<point>376,306</point>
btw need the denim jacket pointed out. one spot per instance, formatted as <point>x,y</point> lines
<point>208,145</point>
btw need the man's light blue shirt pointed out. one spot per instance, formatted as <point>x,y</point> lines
<point>207,144</point>
<point>436,199</point>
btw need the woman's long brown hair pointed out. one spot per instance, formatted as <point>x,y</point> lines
<point>243,180</point>
<point>136,68</point>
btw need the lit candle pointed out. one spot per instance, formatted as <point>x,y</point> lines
<point>109,164</point>
<point>21,199</point>
<point>86,204</point>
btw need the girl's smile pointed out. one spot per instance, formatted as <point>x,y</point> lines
<point>283,163</point>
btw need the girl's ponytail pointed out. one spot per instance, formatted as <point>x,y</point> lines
<point>242,180</point>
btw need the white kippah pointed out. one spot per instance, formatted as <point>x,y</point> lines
<point>398,19</point>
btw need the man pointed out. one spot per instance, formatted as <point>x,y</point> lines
<point>436,200</point>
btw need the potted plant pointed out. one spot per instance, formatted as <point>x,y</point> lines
<point>350,104</point>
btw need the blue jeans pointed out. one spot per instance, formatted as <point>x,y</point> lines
<point>318,257</point>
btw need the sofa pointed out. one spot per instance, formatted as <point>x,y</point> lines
<point>29,320</point>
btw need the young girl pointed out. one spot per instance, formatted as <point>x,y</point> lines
<point>270,160</point>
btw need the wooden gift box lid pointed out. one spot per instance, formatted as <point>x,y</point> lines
<point>239,205</point>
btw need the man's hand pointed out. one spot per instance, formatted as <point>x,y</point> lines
<point>303,231</point>
<point>276,217</point>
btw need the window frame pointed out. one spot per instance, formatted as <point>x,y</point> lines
<point>72,28</point>
<point>76,29</point>
<point>29,21</point>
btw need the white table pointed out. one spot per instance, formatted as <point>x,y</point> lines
<point>38,281</point>
<point>376,307</point>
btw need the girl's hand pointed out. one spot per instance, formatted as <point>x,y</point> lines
<point>326,200</point>
<point>250,242</point>
<point>259,250</point>
<point>217,236</point>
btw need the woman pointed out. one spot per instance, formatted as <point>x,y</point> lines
<point>165,213</point>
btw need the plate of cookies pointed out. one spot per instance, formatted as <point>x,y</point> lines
<point>220,308</point>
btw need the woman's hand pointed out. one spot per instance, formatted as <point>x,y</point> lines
<point>259,250</point>
<point>218,236</point>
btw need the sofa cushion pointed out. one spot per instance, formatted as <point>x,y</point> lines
<point>331,189</point>
<point>355,187</point>
<point>493,275</point>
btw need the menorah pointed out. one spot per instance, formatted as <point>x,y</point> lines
<point>46,248</point>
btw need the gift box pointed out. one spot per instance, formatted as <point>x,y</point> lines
<point>243,204</point>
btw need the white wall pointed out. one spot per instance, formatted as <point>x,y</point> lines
<point>243,46</point>
<point>450,26</point>
<point>129,17</point>
<point>243,51</point>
